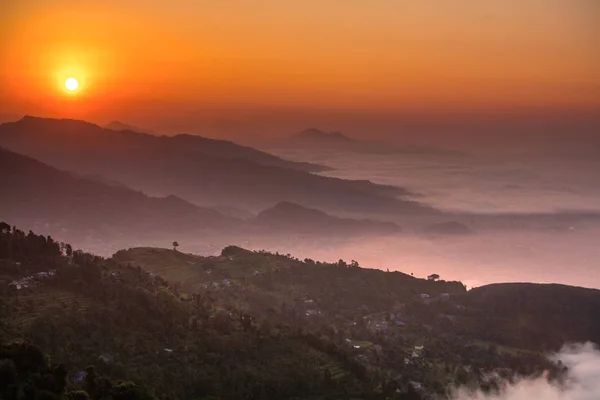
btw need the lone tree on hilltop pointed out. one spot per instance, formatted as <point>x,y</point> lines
<point>175,246</point>
<point>433,277</point>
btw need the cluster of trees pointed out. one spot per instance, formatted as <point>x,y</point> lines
<point>339,288</point>
<point>29,248</point>
<point>134,327</point>
<point>532,316</point>
<point>26,373</point>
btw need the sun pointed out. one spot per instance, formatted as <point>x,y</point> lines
<point>71,84</point>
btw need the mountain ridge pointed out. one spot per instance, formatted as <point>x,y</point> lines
<point>148,163</point>
<point>288,216</point>
<point>133,137</point>
<point>45,195</point>
<point>314,138</point>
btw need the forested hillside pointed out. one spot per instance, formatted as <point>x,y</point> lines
<point>536,316</point>
<point>268,282</point>
<point>256,325</point>
<point>130,325</point>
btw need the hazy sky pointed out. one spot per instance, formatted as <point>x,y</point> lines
<point>140,57</point>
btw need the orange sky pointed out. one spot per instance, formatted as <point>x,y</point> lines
<point>137,56</point>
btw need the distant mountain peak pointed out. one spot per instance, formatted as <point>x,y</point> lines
<point>29,121</point>
<point>40,120</point>
<point>122,126</point>
<point>291,216</point>
<point>317,134</point>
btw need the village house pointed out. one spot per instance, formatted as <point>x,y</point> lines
<point>29,281</point>
<point>44,275</point>
<point>425,298</point>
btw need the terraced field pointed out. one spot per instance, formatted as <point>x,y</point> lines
<point>28,306</point>
<point>336,370</point>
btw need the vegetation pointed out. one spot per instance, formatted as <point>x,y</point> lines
<point>133,326</point>
<point>158,323</point>
<point>533,316</point>
<point>26,373</point>
<point>271,284</point>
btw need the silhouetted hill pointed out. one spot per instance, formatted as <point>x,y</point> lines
<point>231,150</point>
<point>540,316</point>
<point>316,139</point>
<point>269,279</point>
<point>121,126</point>
<point>43,196</point>
<point>290,217</point>
<point>161,166</point>
<point>313,136</point>
<point>21,135</point>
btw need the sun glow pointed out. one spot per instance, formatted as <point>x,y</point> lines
<point>71,84</point>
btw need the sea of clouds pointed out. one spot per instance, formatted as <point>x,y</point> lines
<point>474,183</point>
<point>582,381</point>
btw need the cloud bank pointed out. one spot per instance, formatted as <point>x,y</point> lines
<point>582,381</point>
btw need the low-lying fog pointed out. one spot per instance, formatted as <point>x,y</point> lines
<point>472,184</point>
<point>548,251</point>
<point>469,183</point>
